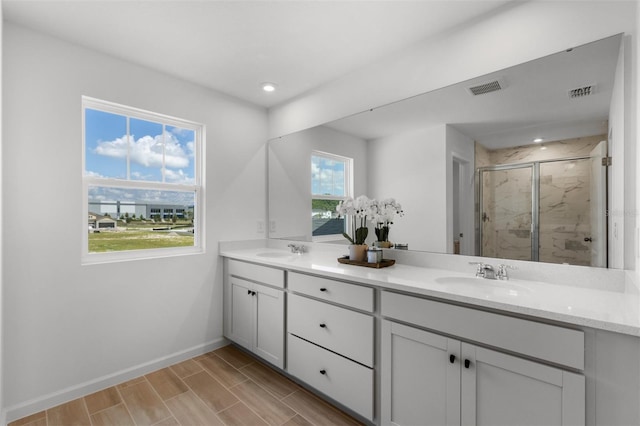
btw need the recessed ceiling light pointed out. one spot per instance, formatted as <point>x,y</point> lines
<point>538,140</point>
<point>268,87</point>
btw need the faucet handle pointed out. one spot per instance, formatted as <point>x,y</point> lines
<point>299,249</point>
<point>502,271</point>
<point>479,269</point>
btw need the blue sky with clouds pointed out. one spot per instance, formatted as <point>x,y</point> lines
<point>147,150</point>
<point>327,176</point>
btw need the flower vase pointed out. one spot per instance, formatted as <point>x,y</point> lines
<point>358,252</point>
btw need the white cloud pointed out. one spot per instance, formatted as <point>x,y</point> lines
<point>177,177</point>
<point>89,173</point>
<point>147,151</point>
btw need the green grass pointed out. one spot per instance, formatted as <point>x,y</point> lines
<point>135,240</point>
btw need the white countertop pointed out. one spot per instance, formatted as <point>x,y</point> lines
<point>611,310</point>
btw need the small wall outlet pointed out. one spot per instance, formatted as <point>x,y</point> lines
<point>260,227</point>
<point>272,226</point>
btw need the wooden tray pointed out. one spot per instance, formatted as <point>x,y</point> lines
<point>383,264</point>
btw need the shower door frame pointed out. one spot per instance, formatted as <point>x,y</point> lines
<point>535,202</point>
<point>535,198</point>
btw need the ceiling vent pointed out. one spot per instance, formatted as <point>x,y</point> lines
<point>581,92</point>
<point>487,87</point>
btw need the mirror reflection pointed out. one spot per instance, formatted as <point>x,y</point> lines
<point>512,165</point>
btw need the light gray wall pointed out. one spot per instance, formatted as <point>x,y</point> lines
<point>411,167</point>
<point>2,405</point>
<point>68,328</point>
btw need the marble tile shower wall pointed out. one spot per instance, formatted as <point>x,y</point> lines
<point>506,223</point>
<point>565,219</point>
<point>564,205</point>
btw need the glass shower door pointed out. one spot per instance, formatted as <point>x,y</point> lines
<point>572,201</point>
<point>506,212</point>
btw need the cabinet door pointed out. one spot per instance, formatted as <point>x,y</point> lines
<point>269,324</point>
<point>420,377</point>
<point>499,389</point>
<point>241,316</point>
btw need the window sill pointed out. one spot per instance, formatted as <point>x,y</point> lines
<point>133,255</point>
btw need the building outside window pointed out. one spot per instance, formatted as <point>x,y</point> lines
<point>331,182</point>
<point>140,170</point>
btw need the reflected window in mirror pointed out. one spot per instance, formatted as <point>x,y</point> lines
<point>331,182</point>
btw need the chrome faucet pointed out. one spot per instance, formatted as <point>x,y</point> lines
<point>488,272</point>
<point>484,270</point>
<point>298,249</point>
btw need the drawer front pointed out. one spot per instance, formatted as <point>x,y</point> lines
<point>259,273</point>
<point>345,381</point>
<point>341,330</point>
<point>355,296</point>
<point>552,343</point>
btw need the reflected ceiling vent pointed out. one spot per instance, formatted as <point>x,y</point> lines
<point>487,87</point>
<point>581,92</point>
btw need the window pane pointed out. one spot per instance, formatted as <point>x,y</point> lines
<point>327,176</point>
<point>324,218</point>
<point>147,150</point>
<point>179,155</point>
<point>106,144</point>
<point>134,219</point>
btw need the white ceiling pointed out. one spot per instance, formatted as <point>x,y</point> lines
<point>233,46</point>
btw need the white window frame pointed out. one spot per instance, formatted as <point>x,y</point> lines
<point>197,187</point>
<point>348,187</point>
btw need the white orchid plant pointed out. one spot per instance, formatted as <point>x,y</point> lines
<point>385,212</point>
<point>359,210</point>
<point>381,213</point>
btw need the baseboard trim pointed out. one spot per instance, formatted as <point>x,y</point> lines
<point>65,395</point>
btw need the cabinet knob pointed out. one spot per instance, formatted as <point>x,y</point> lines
<point>248,291</point>
<point>452,358</point>
<point>323,289</point>
<point>467,363</point>
<point>323,325</point>
<point>323,371</point>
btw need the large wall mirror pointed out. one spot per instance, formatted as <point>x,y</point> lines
<point>511,165</point>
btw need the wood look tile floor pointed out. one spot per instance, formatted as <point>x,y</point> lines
<point>223,387</point>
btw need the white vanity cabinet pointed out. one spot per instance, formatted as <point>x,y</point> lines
<point>430,378</point>
<point>254,309</point>
<point>330,339</point>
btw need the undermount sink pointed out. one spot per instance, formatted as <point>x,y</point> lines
<point>274,254</point>
<point>495,286</point>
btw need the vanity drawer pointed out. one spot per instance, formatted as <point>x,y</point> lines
<point>341,330</point>
<point>355,296</point>
<point>337,377</point>
<point>552,343</point>
<point>262,274</point>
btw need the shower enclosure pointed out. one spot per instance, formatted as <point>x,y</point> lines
<point>549,211</point>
